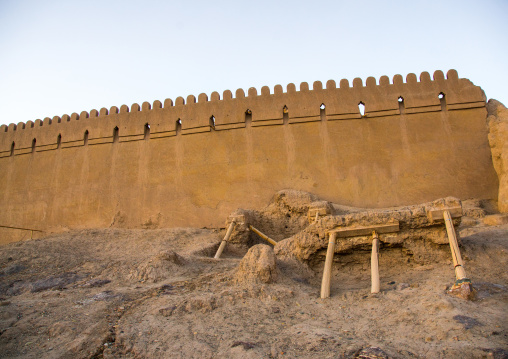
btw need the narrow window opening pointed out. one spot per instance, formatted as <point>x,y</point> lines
<point>361,107</point>
<point>85,138</point>
<point>285,115</point>
<point>212,122</point>
<point>12,148</point>
<point>178,126</point>
<point>59,141</point>
<point>248,118</point>
<point>116,135</point>
<point>442,99</point>
<point>322,112</point>
<point>147,131</point>
<point>402,107</point>
<point>33,145</point>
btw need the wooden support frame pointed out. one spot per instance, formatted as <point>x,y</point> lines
<point>345,232</point>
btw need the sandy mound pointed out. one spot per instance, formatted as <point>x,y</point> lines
<point>159,267</point>
<point>258,265</point>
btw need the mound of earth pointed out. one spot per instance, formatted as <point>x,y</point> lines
<point>158,293</point>
<point>258,265</point>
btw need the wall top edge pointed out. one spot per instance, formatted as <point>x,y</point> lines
<point>371,84</point>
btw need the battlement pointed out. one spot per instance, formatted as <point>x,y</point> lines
<point>191,115</point>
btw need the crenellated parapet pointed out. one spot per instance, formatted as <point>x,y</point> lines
<point>203,114</point>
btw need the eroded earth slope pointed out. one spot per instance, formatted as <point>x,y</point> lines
<point>158,293</point>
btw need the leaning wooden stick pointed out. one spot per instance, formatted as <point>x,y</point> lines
<point>264,236</point>
<point>374,264</point>
<point>226,238</point>
<point>460,272</point>
<point>327,272</point>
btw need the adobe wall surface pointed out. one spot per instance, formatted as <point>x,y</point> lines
<point>233,152</point>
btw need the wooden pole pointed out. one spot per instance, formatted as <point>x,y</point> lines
<point>374,264</point>
<point>264,236</point>
<point>226,238</point>
<point>327,272</point>
<point>460,273</point>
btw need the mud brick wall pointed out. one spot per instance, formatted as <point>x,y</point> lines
<point>191,162</point>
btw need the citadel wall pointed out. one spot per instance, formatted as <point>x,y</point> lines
<point>192,162</point>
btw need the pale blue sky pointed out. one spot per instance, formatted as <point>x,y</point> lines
<point>59,57</point>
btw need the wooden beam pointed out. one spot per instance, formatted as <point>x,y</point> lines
<point>344,232</point>
<point>437,215</point>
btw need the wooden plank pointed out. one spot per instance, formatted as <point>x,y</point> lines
<point>366,230</point>
<point>437,214</point>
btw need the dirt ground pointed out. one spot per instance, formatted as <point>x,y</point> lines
<point>118,293</point>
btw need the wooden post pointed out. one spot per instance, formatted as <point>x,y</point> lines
<point>226,238</point>
<point>327,272</point>
<point>460,273</point>
<point>374,264</point>
<point>262,235</point>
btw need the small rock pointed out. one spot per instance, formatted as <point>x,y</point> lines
<point>402,286</point>
<point>371,353</point>
<point>275,310</point>
<point>204,304</point>
<point>167,312</point>
<point>246,345</point>
<point>463,290</point>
